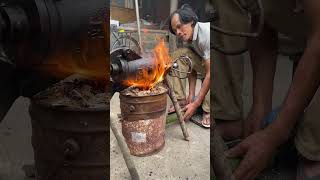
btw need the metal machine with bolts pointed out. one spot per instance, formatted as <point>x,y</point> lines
<point>38,28</point>
<point>31,32</point>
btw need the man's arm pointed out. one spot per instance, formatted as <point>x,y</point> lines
<point>263,53</point>
<point>259,147</point>
<point>306,78</point>
<point>192,107</point>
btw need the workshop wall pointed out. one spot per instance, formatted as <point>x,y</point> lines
<point>123,15</point>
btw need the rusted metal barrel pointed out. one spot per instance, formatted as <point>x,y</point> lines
<point>143,122</point>
<point>70,143</point>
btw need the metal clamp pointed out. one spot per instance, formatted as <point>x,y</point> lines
<point>176,72</point>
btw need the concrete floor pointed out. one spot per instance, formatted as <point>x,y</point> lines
<point>15,141</point>
<point>178,159</point>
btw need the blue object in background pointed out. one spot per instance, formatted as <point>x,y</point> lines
<point>270,117</point>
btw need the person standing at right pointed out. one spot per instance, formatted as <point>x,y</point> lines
<point>298,20</point>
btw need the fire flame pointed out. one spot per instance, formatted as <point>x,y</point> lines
<point>90,60</point>
<point>148,79</point>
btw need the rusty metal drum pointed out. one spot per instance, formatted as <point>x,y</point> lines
<point>70,143</point>
<point>143,122</point>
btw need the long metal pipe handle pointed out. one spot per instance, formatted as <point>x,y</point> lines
<point>138,24</point>
<point>125,152</point>
<point>178,110</point>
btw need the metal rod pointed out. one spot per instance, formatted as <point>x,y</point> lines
<point>124,149</point>
<point>138,24</point>
<point>232,52</point>
<point>172,38</point>
<point>133,29</point>
<point>178,110</point>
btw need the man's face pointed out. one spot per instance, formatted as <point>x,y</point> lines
<point>183,31</point>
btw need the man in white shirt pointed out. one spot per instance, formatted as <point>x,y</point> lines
<point>184,24</point>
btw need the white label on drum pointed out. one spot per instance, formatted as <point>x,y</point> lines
<point>138,137</point>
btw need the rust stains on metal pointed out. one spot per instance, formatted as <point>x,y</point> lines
<point>70,140</point>
<point>143,121</point>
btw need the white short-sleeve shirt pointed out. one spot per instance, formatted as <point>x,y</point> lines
<point>201,39</point>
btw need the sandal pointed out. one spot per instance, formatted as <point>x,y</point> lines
<point>182,103</point>
<point>205,116</point>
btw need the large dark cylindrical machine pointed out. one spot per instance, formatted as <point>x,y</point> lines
<point>126,64</point>
<point>32,30</point>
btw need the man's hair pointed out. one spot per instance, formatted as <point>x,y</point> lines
<point>186,15</point>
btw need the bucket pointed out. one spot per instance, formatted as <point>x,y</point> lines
<point>143,122</point>
<point>69,143</point>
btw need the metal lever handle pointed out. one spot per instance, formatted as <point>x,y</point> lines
<point>175,67</point>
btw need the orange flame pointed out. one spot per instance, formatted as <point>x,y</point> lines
<point>148,79</point>
<point>89,60</point>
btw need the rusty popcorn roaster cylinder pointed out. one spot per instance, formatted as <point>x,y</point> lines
<point>143,119</point>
